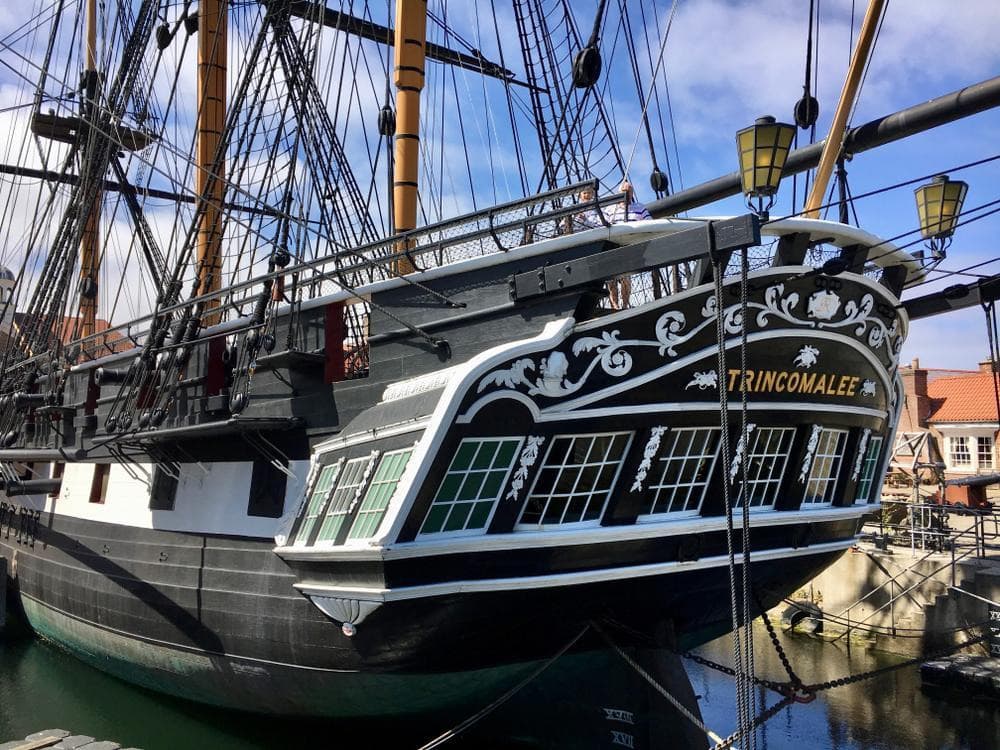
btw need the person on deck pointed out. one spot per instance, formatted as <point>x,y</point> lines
<point>586,219</point>
<point>629,209</point>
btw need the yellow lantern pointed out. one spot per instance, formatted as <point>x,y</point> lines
<point>763,148</point>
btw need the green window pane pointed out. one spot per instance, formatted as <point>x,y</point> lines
<point>471,486</point>
<point>484,457</point>
<point>505,453</point>
<point>449,488</point>
<point>480,512</point>
<point>459,515</point>
<point>493,483</point>
<point>330,528</point>
<point>305,530</point>
<point>435,519</point>
<point>464,456</point>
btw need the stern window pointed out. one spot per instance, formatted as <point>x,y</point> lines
<point>472,485</point>
<point>575,481</point>
<point>829,454</point>
<point>351,480</point>
<point>684,471</point>
<point>868,468</point>
<point>766,459</point>
<point>317,500</point>
<point>376,500</point>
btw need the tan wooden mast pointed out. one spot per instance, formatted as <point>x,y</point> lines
<point>410,41</point>
<point>835,140</point>
<point>209,176</point>
<point>90,251</point>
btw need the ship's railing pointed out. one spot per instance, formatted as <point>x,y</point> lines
<point>498,229</point>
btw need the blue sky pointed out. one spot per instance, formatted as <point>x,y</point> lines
<point>727,62</point>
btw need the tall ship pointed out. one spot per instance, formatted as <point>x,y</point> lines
<point>293,419</point>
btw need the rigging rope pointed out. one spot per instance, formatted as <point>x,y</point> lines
<point>652,82</point>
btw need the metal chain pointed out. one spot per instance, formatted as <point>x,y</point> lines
<point>794,679</point>
<point>850,679</point>
<point>796,691</point>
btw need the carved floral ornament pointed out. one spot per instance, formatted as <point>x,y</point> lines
<point>550,375</point>
<point>648,453</point>
<point>528,457</point>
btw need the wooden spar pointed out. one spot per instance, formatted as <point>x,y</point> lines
<point>411,34</point>
<point>90,253</point>
<point>210,170</point>
<point>835,141</point>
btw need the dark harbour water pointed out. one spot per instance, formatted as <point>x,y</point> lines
<point>42,687</point>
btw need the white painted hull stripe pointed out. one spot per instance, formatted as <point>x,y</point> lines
<point>559,580</point>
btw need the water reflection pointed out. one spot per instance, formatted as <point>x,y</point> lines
<point>889,711</point>
<point>42,687</point>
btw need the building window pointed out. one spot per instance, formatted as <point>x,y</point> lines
<point>163,489</point>
<point>472,485</point>
<point>684,471</point>
<point>960,455</point>
<point>99,483</point>
<point>268,484</point>
<point>766,459</point>
<point>351,479</point>
<point>822,482</point>
<point>984,452</point>
<point>869,466</point>
<point>380,492</point>
<point>575,480</point>
<point>325,479</point>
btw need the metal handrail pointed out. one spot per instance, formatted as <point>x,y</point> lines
<point>977,530</point>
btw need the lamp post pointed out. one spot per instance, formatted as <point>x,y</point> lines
<point>763,148</point>
<point>939,204</point>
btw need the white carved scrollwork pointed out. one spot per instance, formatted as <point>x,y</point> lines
<point>648,454</point>
<point>610,352</point>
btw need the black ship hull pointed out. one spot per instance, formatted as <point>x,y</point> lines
<point>228,630</point>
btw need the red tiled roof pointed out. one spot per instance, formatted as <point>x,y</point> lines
<point>963,398</point>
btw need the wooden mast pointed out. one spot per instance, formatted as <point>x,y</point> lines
<point>209,173</point>
<point>410,40</point>
<point>90,253</point>
<point>835,140</point>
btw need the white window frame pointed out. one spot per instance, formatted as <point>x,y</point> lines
<point>345,501</point>
<point>371,483</point>
<point>990,452</point>
<point>971,434</point>
<point>335,467</point>
<point>953,451</point>
<point>541,525</point>
<point>829,463</point>
<point>465,473</point>
<point>656,489</point>
<point>869,471</point>
<point>772,483</point>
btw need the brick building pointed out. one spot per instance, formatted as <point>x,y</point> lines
<point>948,417</point>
